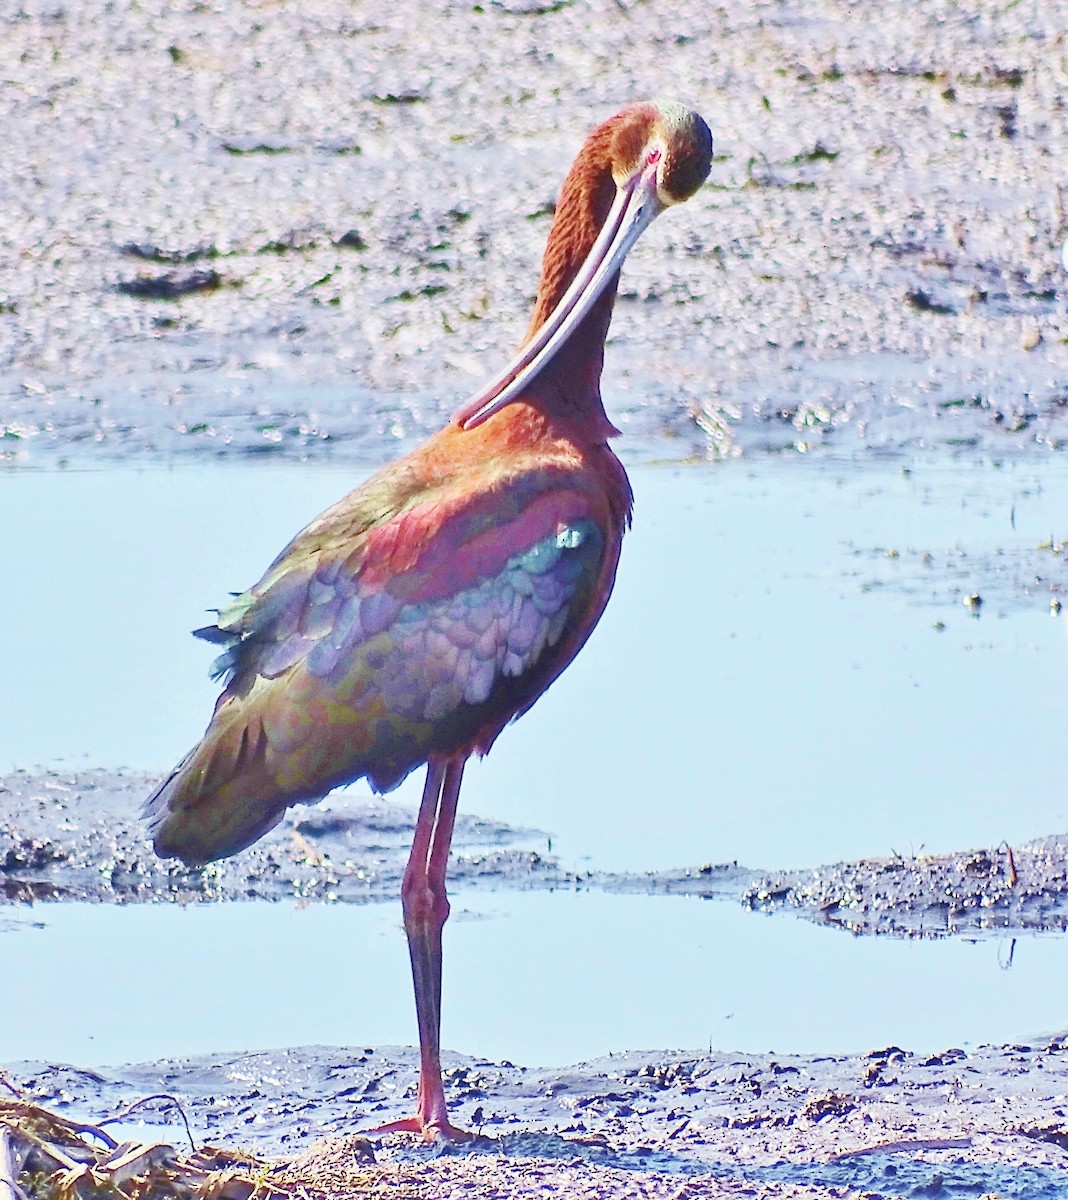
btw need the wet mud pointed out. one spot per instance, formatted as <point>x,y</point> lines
<point>79,837</point>
<point>961,1122</point>
<point>305,232</point>
<point>883,1124</point>
<point>1000,890</point>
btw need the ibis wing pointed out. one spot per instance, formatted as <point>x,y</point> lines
<point>341,666</point>
<point>465,614</point>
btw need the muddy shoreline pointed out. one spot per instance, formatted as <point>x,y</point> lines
<point>884,1124</point>
<point>78,837</point>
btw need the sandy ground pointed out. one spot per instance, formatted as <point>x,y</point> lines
<point>311,229</point>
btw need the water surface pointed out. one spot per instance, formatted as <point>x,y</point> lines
<point>786,674</point>
<point>538,979</point>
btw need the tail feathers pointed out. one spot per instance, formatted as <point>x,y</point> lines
<point>219,799</point>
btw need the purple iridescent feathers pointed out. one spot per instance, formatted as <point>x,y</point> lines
<point>363,656</point>
<point>428,659</point>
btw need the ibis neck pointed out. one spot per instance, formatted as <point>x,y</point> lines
<point>570,385</point>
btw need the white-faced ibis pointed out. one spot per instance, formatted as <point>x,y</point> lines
<point>435,603</point>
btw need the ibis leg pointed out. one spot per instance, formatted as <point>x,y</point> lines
<point>426,908</point>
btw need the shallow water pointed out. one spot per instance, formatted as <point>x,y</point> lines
<point>786,674</point>
<point>538,979</point>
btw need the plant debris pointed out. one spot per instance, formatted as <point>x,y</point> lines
<point>44,1156</point>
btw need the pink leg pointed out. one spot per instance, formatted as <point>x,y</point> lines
<point>426,909</point>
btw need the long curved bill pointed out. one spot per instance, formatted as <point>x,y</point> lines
<point>635,207</point>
